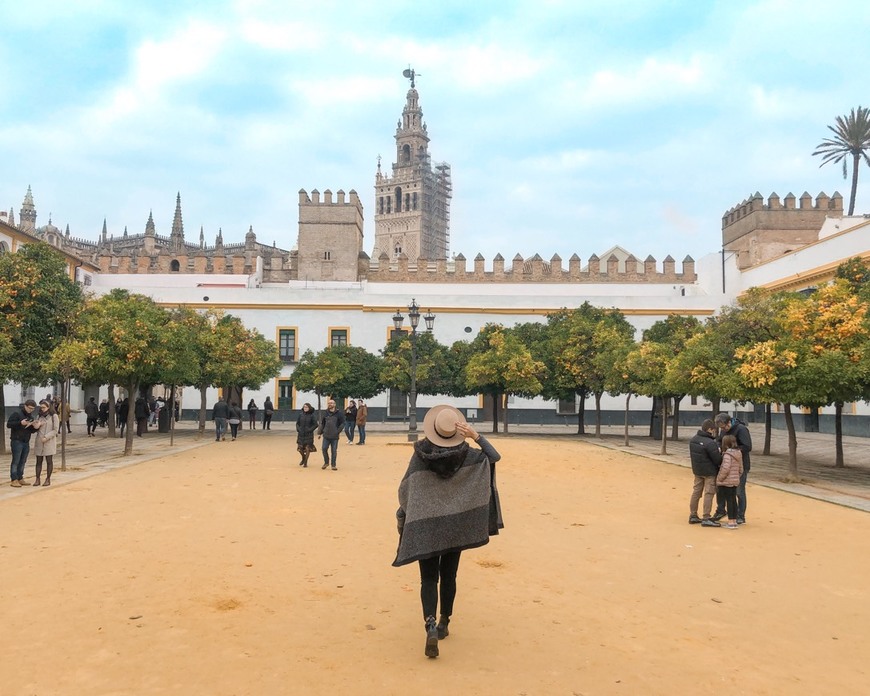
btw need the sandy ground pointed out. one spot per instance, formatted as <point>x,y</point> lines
<point>228,569</point>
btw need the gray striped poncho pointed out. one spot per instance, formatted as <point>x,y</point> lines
<point>447,512</point>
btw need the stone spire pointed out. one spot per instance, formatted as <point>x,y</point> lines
<point>177,235</point>
<point>250,238</point>
<point>149,226</point>
<point>219,240</point>
<point>105,231</point>
<point>201,237</point>
<point>11,217</point>
<point>27,214</point>
<point>125,231</point>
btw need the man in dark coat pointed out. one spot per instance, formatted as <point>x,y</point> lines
<point>731,426</point>
<point>706,458</point>
<point>142,413</point>
<point>219,414</point>
<point>22,425</point>
<point>331,425</point>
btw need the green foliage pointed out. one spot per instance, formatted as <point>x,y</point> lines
<point>434,373</point>
<point>851,141</point>
<point>339,371</point>
<point>501,364</point>
<point>39,304</point>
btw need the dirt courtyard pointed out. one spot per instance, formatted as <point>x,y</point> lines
<point>229,570</point>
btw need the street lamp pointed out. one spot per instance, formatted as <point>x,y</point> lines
<point>414,317</point>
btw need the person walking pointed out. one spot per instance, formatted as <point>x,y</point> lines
<point>448,502</point>
<point>350,421</point>
<point>142,412</point>
<point>362,416</point>
<point>235,419</point>
<point>306,424</point>
<point>45,442</point>
<point>220,414</point>
<point>706,458</point>
<point>123,414</point>
<point>22,424</point>
<point>733,426</point>
<point>252,415</point>
<point>268,411</point>
<point>92,412</point>
<point>103,420</point>
<point>729,477</point>
<point>330,427</point>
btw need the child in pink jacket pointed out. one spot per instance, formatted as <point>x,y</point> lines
<point>729,477</point>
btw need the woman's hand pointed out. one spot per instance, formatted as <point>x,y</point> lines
<point>467,430</point>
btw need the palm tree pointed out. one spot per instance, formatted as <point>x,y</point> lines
<point>852,138</point>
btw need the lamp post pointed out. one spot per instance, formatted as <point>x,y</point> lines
<point>414,317</point>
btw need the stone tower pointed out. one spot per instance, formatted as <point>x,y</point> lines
<point>412,207</point>
<point>27,213</point>
<point>330,236</point>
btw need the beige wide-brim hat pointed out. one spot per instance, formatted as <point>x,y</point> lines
<point>439,426</point>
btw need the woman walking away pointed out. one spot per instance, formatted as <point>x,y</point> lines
<point>350,421</point>
<point>45,446</point>
<point>252,415</point>
<point>235,419</point>
<point>306,424</point>
<point>268,410</point>
<point>448,502</point>
<point>729,477</point>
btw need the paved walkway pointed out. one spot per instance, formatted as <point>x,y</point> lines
<point>820,479</point>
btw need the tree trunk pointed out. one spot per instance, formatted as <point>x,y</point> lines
<point>171,416</point>
<point>202,408</point>
<point>715,403</point>
<point>665,426</point>
<point>675,430</point>
<point>3,413</point>
<point>504,414</point>
<point>768,428</point>
<point>112,415</point>
<point>627,399</point>
<point>792,444</point>
<point>597,414</point>
<point>856,162</point>
<point>581,415</point>
<point>495,413</point>
<point>133,394</point>
<point>64,407</point>
<point>838,439</point>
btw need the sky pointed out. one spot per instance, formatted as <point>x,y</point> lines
<point>570,126</point>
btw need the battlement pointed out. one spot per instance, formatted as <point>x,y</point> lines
<point>534,269</point>
<point>314,199</point>
<point>758,231</point>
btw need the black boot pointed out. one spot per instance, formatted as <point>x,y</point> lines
<point>431,637</point>
<point>442,627</point>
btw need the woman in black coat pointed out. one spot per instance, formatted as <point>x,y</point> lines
<point>252,415</point>
<point>306,424</point>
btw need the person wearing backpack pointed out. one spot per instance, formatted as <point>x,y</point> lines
<point>330,428</point>
<point>733,426</point>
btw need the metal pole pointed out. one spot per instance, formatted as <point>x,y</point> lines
<point>412,406</point>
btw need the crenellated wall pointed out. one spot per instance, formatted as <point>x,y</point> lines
<point>758,232</point>
<point>330,236</point>
<point>533,270</point>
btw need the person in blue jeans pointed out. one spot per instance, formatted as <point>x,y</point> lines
<point>732,426</point>
<point>330,428</point>
<point>362,416</point>
<point>220,415</point>
<point>22,425</point>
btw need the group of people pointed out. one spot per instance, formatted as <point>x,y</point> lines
<point>41,423</point>
<point>330,426</point>
<point>268,412</point>
<point>720,463</point>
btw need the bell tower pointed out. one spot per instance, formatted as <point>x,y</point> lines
<point>412,206</point>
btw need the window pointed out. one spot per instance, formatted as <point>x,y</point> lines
<point>397,250</point>
<point>398,199</point>
<point>4,248</point>
<point>381,205</point>
<point>567,407</point>
<point>287,345</point>
<point>337,337</point>
<point>414,200</point>
<point>285,393</point>
<point>327,255</point>
<point>174,266</point>
<point>398,404</point>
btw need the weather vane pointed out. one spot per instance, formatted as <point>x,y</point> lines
<point>410,74</point>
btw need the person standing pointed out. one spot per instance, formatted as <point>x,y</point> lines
<point>732,426</point>
<point>362,416</point>
<point>45,445</point>
<point>306,424</point>
<point>330,427</point>
<point>729,477</point>
<point>22,425</point>
<point>103,419</point>
<point>350,421</point>
<point>235,419</point>
<point>448,502</point>
<point>220,414</point>
<point>142,412</point>
<point>123,414</point>
<point>268,411</point>
<point>706,458</point>
<point>92,412</point>
<point>252,415</point>
<point>64,412</point>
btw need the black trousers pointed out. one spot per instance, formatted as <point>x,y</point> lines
<point>431,569</point>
